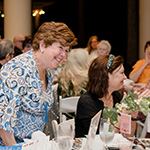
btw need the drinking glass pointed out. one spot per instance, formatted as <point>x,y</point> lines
<point>65,137</point>
<point>54,144</point>
<point>106,132</point>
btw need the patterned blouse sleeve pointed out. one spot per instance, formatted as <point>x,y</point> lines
<point>9,100</point>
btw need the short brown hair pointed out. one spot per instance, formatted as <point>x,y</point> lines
<point>98,74</point>
<point>51,32</point>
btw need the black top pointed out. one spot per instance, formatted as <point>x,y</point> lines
<point>87,107</point>
<point>0,66</point>
<point>17,51</point>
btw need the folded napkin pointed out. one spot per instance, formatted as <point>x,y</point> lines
<point>38,141</point>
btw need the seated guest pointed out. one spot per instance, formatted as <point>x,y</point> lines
<point>27,44</point>
<point>92,47</point>
<point>92,44</point>
<point>140,72</point>
<point>6,51</point>
<point>103,48</point>
<point>105,78</point>
<point>73,77</point>
<point>18,40</point>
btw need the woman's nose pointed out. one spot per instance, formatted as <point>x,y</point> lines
<point>63,53</point>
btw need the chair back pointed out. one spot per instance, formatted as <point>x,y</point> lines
<point>67,105</point>
<point>141,128</point>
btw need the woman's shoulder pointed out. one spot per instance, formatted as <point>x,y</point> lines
<point>18,64</point>
<point>87,97</point>
<point>21,59</point>
<point>141,61</point>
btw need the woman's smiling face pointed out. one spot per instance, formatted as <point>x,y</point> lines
<point>116,78</point>
<point>55,54</point>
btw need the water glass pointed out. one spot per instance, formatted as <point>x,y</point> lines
<point>54,144</point>
<point>65,137</point>
<point>106,132</point>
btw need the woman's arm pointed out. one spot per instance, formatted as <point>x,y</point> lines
<point>135,75</point>
<point>7,138</point>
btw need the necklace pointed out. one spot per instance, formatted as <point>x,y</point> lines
<point>41,74</point>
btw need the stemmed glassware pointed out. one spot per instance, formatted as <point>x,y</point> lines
<point>106,132</point>
<point>65,137</point>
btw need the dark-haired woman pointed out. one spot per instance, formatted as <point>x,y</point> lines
<point>106,76</point>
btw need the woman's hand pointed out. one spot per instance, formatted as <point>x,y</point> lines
<point>7,138</point>
<point>145,93</point>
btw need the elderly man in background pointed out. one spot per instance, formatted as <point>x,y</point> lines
<point>6,51</point>
<point>18,40</point>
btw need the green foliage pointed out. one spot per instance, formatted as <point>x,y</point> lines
<point>130,102</point>
<point>111,114</point>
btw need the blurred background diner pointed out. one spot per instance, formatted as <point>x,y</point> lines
<point>18,40</point>
<point>103,48</point>
<point>6,51</point>
<point>92,46</point>
<point>27,44</point>
<point>141,70</point>
<point>73,78</point>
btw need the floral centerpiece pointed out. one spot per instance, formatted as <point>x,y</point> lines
<point>130,102</point>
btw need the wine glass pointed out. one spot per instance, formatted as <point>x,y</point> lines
<point>65,137</point>
<point>106,132</point>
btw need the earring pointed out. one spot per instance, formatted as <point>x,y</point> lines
<point>42,51</point>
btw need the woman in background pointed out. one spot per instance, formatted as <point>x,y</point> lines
<point>103,48</point>
<point>27,44</point>
<point>92,47</point>
<point>141,70</point>
<point>74,76</point>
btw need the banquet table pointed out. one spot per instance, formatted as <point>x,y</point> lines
<point>97,144</point>
<point>79,144</point>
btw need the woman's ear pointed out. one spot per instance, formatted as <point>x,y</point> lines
<point>42,46</point>
<point>7,57</point>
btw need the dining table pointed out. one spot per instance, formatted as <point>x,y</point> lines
<point>83,144</point>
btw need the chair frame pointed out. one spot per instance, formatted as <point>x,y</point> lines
<point>141,129</point>
<point>65,102</point>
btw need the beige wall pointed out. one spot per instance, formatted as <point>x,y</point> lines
<point>17,18</point>
<point>144,25</point>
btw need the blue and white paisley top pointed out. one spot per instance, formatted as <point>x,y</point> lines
<point>23,103</point>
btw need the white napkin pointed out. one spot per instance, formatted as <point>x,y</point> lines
<point>38,141</point>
